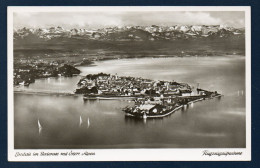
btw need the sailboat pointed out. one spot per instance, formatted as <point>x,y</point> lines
<point>80,121</point>
<point>88,123</point>
<point>39,126</point>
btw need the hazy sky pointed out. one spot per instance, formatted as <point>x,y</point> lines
<point>118,18</point>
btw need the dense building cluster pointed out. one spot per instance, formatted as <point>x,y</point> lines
<point>106,84</point>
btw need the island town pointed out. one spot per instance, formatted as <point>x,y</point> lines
<point>152,98</point>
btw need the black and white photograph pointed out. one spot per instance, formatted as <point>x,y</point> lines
<point>129,83</point>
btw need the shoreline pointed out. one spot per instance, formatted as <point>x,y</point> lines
<point>92,64</point>
<point>174,110</point>
<point>109,59</point>
<point>157,116</point>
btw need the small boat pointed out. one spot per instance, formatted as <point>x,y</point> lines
<point>26,84</point>
<point>191,104</point>
<point>89,98</point>
<point>144,116</point>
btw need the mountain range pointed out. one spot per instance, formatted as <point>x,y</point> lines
<point>130,33</point>
<point>129,41</point>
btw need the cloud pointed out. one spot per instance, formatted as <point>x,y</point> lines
<point>200,18</point>
<point>115,18</point>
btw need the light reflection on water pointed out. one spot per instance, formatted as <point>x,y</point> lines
<point>210,123</point>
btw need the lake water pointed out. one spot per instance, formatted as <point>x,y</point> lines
<point>215,123</point>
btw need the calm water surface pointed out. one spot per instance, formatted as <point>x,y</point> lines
<point>212,123</point>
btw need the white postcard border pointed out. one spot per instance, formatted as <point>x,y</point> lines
<point>167,154</point>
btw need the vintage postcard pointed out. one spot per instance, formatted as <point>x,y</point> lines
<point>129,83</point>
